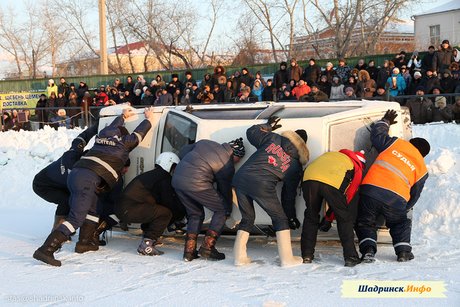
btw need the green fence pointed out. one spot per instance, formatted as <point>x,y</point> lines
<point>95,81</point>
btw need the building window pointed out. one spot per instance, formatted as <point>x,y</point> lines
<point>435,32</point>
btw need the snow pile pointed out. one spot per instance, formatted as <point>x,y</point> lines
<point>116,275</point>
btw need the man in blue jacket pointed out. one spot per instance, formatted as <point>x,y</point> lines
<point>203,165</point>
<point>100,169</point>
<point>278,158</point>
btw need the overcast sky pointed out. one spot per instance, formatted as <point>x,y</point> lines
<point>419,7</point>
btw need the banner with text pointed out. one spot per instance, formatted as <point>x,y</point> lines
<point>19,100</point>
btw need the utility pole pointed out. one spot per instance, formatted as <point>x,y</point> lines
<point>34,67</point>
<point>104,68</point>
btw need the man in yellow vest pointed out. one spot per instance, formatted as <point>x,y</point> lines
<point>391,187</point>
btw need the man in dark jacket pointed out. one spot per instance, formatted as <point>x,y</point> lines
<point>420,107</point>
<point>391,187</point>
<point>203,165</point>
<point>51,182</point>
<point>99,169</point>
<point>150,199</point>
<point>269,92</point>
<point>281,76</point>
<point>278,158</point>
<point>334,177</point>
<point>312,72</point>
<point>427,61</point>
<point>316,95</point>
<point>443,57</point>
<point>295,71</point>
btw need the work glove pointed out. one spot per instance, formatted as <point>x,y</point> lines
<point>325,225</point>
<point>273,122</point>
<point>390,117</point>
<point>294,223</point>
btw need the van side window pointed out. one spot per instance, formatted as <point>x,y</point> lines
<point>178,131</point>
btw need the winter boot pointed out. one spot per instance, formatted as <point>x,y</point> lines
<point>190,251</point>
<point>101,228</point>
<point>239,249</point>
<point>58,220</point>
<point>208,248</point>
<point>147,248</point>
<point>45,253</point>
<point>405,256</point>
<point>368,255</point>
<point>308,258</point>
<point>86,240</point>
<point>283,238</point>
<point>352,261</point>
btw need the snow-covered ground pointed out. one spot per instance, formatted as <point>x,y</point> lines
<point>116,275</point>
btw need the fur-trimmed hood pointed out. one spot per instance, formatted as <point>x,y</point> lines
<point>300,145</point>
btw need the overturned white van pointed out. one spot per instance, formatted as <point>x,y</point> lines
<point>330,127</point>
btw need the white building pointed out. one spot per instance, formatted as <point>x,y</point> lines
<point>437,24</point>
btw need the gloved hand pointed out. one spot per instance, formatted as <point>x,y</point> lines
<point>273,122</point>
<point>294,223</point>
<point>325,225</point>
<point>390,117</point>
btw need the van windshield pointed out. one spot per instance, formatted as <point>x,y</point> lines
<point>303,112</point>
<point>178,131</point>
<point>249,113</point>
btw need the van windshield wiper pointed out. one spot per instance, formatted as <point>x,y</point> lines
<point>268,112</point>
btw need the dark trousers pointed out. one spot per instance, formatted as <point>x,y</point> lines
<point>397,218</point>
<point>82,184</point>
<point>52,192</point>
<point>314,192</point>
<point>267,200</point>
<point>154,218</point>
<point>195,202</point>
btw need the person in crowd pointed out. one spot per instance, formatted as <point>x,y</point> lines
<point>381,94</point>
<point>366,86</point>
<point>372,70</point>
<point>334,177</point>
<point>85,104</point>
<point>7,121</point>
<point>118,85</point>
<point>456,110</point>
<point>447,83</point>
<point>154,87</point>
<point>351,82</point>
<point>186,97</point>
<point>60,120</point>
<point>269,92</point>
<point>441,111</point>
<point>443,57</point>
<point>316,95</point>
<point>416,82</point>
<point>400,59</point>
<point>383,74</point>
<point>98,170</point>
<point>291,84</point>
<point>349,93</point>
<point>329,72</point>
<point>113,96</point>
<point>246,77</point>
<point>295,71</point>
<point>148,99</point>
<point>301,89</point>
<point>73,111</point>
<point>312,72</point>
<point>61,101</point>
<point>280,77</point>
<point>427,60</point>
<point>165,99</point>
<point>337,89</point>
<point>219,71</point>
<point>81,90</point>
<point>51,88</point>
<point>343,70</point>
<point>261,78</point>
<point>129,85</point>
<point>63,88</point>
<point>213,166</point>
<point>420,107</point>
<point>206,96</point>
<point>246,95</point>
<point>415,63</point>
<point>396,83</point>
<point>140,83</point>
<point>161,83</point>
<point>287,96</point>
<point>101,98</point>
<point>277,158</point>
<point>229,93</point>
<point>72,88</point>
<point>361,65</point>
<point>51,103</point>
<point>257,89</point>
<point>174,84</point>
<point>42,115</point>
<point>189,77</point>
<point>391,188</point>
<point>324,85</point>
<point>405,73</point>
<point>430,81</point>
<point>218,94</point>
<point>51,182</point>
<point>150,199</point>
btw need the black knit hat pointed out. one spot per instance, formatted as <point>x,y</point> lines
<point>422,145</point>
<point>237,146</point>
<point>303,134</point>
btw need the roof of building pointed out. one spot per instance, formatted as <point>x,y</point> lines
<point>449,6</point>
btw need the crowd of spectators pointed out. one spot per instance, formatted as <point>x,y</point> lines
<point>436,73</point>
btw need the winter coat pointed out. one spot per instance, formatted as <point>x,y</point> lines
<point>154,187</point>
<point>366,86</point>
<point>430,82</point>
<point>398,175</point>
<point>373,72</point>
<point>343,72</point>
<point>420,109</point>
<point>412,89</point>
<point>399,87</point>
<point>246,79</point>
<point>337,92</point>
<point>315,97</point>
<point>312,73</point>
<point>268,93</point>
<point>442,59</point>
<point>329,73</point>
<point>280,77</point>
<point>111,150</point>
<point>301,90</point>
<point>52,88</point>
<point>64,89</point>
<point>257,90</point>
<point>165,100</point>
<point>295,72</point>
<point>81,90</point>
<point>448,84</point>
<point>202,164</point>
<point>456,112</point>
<point>427,62</point>
<point>382,77</point>
<point>441,111</point>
